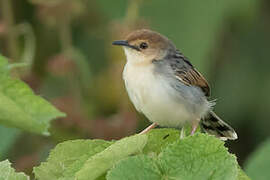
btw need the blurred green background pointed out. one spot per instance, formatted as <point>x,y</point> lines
<point>72,63</point>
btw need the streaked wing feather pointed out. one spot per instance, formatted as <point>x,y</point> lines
<point>188,75</point>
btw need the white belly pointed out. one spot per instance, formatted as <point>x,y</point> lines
<point>153,96</point>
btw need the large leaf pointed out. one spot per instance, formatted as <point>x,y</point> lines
<point>8,173</point>
<point>198,157</point>
<point>195,157</point>
<point>87,159</point>
<point>258,164</point>
<point>67,158</point>
<point>159,154</point>
<point>103,161</point>
<point>20,107</point>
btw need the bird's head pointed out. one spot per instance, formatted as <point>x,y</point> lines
<point>143,46</point>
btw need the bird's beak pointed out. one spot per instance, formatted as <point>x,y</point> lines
<point>120,43</point>
<point>125,43</point>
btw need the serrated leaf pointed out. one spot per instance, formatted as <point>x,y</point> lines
<point>136,167</point>
<point>98,164</point>
<point>198,157</point>
<point>67,158</point>
<point>258,164</point>
<point>195,157</point>
<point>20,107</point>
<point>8,173</point>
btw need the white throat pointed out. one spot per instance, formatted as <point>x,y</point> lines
<point>133,56</point>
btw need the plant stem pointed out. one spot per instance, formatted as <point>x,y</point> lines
<point>11,35</point>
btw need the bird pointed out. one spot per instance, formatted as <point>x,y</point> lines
<point>163,85</point>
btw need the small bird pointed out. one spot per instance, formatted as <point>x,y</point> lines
<point>163,85</point>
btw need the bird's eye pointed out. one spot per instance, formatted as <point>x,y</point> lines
<point>143,45</point>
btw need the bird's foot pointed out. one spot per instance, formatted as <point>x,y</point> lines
<point>194,127</point>
<point>148,128</point>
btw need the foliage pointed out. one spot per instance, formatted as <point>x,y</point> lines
<point>158,155</point>
<point>242,175</point>
<point>68,157</point>
<point>258,164</point>
<point>20,108</point>
<point>8,173</point>
<point>67,45</point>
<point>195,157</point>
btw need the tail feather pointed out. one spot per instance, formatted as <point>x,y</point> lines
<point>212,124</point>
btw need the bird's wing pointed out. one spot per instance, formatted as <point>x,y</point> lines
<point>187,74</point>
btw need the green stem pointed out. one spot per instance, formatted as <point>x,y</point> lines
<point>9,22</point>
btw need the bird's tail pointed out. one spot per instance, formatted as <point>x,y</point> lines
<point>212,124</point>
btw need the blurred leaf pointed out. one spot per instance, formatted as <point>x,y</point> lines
<point>257,166</point>
<point>8,173</point>
<point>20,108</point>
<point>67,158</point>
<point>9,136</point>
<point>101,162</point>
<point>196,157</point>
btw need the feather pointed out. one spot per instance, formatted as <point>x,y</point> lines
<point>186,73</point>
<point>212,124</point>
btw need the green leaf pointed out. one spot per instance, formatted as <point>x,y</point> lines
<point>136,167</point>
<point>8,173</point>
<point>145,168</point>
<point>196,157</point>
<point>158,139</point>
<point>98,164</point>
<point>160,154</point>
<point>20,107</point>
<point>67,158</point>
<point>241,175</point>
<point>257,166</point>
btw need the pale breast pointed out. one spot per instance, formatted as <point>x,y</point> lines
<point>137,82</point>
<point>152,96</point>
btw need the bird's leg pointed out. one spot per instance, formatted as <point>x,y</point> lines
<point>148,128</point>
<point>194,127</point>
